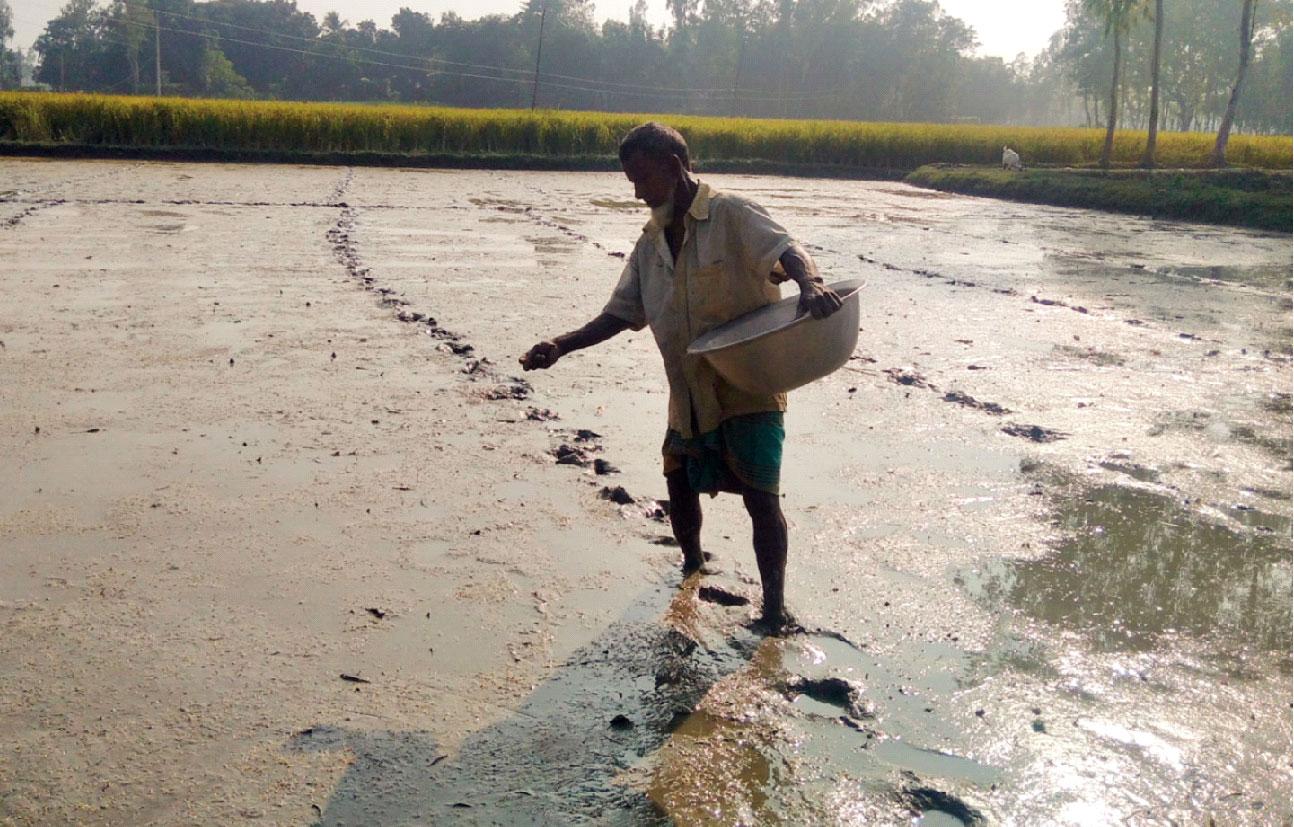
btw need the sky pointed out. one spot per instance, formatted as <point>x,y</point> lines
<point>1004,27</point>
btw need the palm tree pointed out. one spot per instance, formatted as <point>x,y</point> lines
<point>1152,135</point>
<point>1118,15</point>
<point>1246,44</point>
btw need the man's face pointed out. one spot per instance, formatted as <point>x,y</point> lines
<point>654,180</point>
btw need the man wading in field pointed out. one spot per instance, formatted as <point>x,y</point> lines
<point>705,258</point>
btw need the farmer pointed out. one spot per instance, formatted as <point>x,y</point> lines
<point>704,258</point>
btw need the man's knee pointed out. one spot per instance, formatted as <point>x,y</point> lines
<point>762,505</point>
<point>680,490</point>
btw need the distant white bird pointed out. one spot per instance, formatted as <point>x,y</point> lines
<point>1011,159</point>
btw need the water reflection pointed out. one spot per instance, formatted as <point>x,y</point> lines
<point>1138,566</point>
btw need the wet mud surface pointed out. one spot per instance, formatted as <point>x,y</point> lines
<point>1040,524</point>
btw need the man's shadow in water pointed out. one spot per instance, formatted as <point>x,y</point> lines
<point>614,701</point>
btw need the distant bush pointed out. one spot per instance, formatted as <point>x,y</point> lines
<point>101,120</point>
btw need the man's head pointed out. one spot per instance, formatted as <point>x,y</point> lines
<point>655,160</point>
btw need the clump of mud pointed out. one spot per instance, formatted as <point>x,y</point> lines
<point>913,379</point>
<point>617,495</point>
<point>969,401</point>
<point>839,692</point>
<point>1034,433</point>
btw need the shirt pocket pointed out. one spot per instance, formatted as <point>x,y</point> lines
<point>711,294</point>
<point>712,269</point>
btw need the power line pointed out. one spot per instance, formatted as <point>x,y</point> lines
<point>316,40</point>
<point>527,73</point>
<point>576,84</point>
<point>661,94</point>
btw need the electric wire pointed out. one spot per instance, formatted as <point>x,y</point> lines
<point>574,83</point>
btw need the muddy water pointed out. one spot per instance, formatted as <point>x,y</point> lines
<point>1040,523</point>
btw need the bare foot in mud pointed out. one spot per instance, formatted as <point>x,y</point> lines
<point>777,624</point>
<point>693,565</point>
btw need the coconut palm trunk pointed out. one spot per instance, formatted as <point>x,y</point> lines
<point>1152,133</point>
<point>1108,149</point>
<point>1246,45</point>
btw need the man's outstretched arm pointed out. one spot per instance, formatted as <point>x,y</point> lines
<point>546,353</point>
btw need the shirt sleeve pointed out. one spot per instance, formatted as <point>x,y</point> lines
<point>627,299</point>
<point>762,238</point>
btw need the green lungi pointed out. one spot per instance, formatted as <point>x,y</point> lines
<point>744,451</point>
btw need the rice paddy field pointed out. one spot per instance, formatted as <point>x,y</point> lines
<point>92,121</point>
<point>286,536</point>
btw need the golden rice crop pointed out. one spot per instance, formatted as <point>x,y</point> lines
<point>104,120</point>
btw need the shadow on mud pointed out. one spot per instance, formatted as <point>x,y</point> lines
<point>613,702</point>
<point>1138,567</point>
<point>645,726</point>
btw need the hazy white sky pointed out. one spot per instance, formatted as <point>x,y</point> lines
<point>1004,27</point>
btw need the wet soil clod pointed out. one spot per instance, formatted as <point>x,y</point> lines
<point>541,415</point>
<point>1036,433</point>
<point>570,455</point>
<point>835,691</point>
<point>617,495</point>
<point>969,401</point>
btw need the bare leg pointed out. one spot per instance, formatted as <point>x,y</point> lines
<point>770,540</point>
<point>685,519</point>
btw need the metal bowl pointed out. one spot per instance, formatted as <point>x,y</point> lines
<point>772,350</point>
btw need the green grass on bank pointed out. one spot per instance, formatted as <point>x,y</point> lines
<point>404,131</point>
<point>1246,198</point>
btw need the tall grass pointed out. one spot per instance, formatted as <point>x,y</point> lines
<point>100,120</point>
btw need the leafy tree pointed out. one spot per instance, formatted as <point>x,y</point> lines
<point>1268,94</point>
<point>490,41</point>
<point>855,59</point>
<point>913,53</point>
<point>1193,81</point>
<point>263,40</point>
<point>72,48</point>
<point>219,78</point>
<point>10,60</point>
<point>137,28</point>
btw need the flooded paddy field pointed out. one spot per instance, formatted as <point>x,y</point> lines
<point>284,533</point>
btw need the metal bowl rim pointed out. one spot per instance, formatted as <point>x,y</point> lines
<point>693,350</point>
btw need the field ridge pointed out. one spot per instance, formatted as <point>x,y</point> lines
<point>1257,199</point>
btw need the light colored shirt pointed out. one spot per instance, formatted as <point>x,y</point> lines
<point>730,248</point>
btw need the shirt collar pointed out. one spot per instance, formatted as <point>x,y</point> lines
<point>700,209</point>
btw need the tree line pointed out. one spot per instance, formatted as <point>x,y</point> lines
<point>886,60</point>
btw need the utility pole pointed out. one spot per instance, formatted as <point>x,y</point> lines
<point>736,77</point>
<point>539,54</point>
<point>157,50</point>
